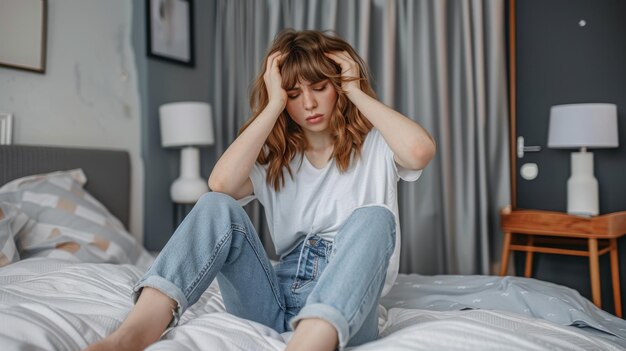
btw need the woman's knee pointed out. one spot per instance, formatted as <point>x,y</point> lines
<point>375,211</point>
<point>376,221</point>
<point>216,200</point>
<point>214,207</point>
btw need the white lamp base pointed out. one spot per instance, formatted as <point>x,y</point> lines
<point>582,186</point>
<point>189,186</point>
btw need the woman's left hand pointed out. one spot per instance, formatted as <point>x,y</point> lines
<point>349,70</point>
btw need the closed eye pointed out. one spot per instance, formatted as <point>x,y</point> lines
<point>293,92</point>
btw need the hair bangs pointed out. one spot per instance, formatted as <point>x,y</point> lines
<point>311,67</point>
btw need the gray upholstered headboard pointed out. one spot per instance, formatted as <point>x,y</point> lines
<point>107,171</point>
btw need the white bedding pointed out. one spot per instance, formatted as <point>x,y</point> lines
<point>49,304</point>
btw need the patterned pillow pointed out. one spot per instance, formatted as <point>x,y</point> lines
<point>64,221</point>
<point>11,221</point>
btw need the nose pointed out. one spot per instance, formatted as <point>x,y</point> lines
<point>309,101</point>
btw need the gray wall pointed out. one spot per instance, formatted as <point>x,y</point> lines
<point>89,94</point>
<point>162,82</point>
<point>561,62</point>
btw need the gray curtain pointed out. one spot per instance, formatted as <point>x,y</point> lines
<point>441,63</point>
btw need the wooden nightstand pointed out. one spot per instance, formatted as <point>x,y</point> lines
<point>544,231</point>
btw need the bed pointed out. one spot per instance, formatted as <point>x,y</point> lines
<point>71,285</point>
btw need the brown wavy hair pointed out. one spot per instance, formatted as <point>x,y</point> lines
<point>305,61</point>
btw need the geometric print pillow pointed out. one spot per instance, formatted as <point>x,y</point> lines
<point>11,220</point>
<point>65,221</point>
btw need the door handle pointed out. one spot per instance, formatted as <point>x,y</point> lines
<point>521,149</point>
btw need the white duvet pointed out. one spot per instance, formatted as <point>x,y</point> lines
<point>48,304</point>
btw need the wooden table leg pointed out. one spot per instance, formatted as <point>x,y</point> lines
<point>617,297</point>
<point>528,271</point>
<point>506,250</point>
<point>594,268</point>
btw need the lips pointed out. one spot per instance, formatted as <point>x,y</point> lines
<point>316,118</point>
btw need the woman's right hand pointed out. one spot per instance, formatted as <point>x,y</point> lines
<point>274,81</point>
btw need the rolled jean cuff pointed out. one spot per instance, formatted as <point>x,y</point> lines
<point>167,288</point>
<point>330,315</point>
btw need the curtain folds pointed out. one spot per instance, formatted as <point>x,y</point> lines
<point>443,64</point>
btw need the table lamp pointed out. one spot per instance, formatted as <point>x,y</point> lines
<point>583,126</point>
<point>187,125</point>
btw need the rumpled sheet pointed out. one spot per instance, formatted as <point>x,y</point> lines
<point>48,304</point>
<point>525,296</point>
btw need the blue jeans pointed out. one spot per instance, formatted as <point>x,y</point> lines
<point>338,281</point>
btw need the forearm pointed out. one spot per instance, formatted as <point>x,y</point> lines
<point>233,168</point>
<point>412,145</point>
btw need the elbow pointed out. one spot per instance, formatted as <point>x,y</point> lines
<point>216,184</point>
<point>226,186</point>
<point>422,155</point>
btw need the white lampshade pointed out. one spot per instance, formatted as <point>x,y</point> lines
<point>583,125</point>
<point>186,123</point>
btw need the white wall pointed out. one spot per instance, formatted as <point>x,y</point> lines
<point>89,94</point>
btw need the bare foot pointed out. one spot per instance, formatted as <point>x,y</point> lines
<point>114,342</point>
<point>103,345</point>
<point>313,334</point>
<point>143,325</point>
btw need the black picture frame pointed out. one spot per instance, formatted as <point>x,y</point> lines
<point>169,28</point>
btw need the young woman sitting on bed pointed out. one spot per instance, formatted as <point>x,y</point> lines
<point>323,156</point>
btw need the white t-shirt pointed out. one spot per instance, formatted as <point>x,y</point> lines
<point>318,201</point>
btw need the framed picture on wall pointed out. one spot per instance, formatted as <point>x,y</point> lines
<point>23,34</point>
<point>170,30</point>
